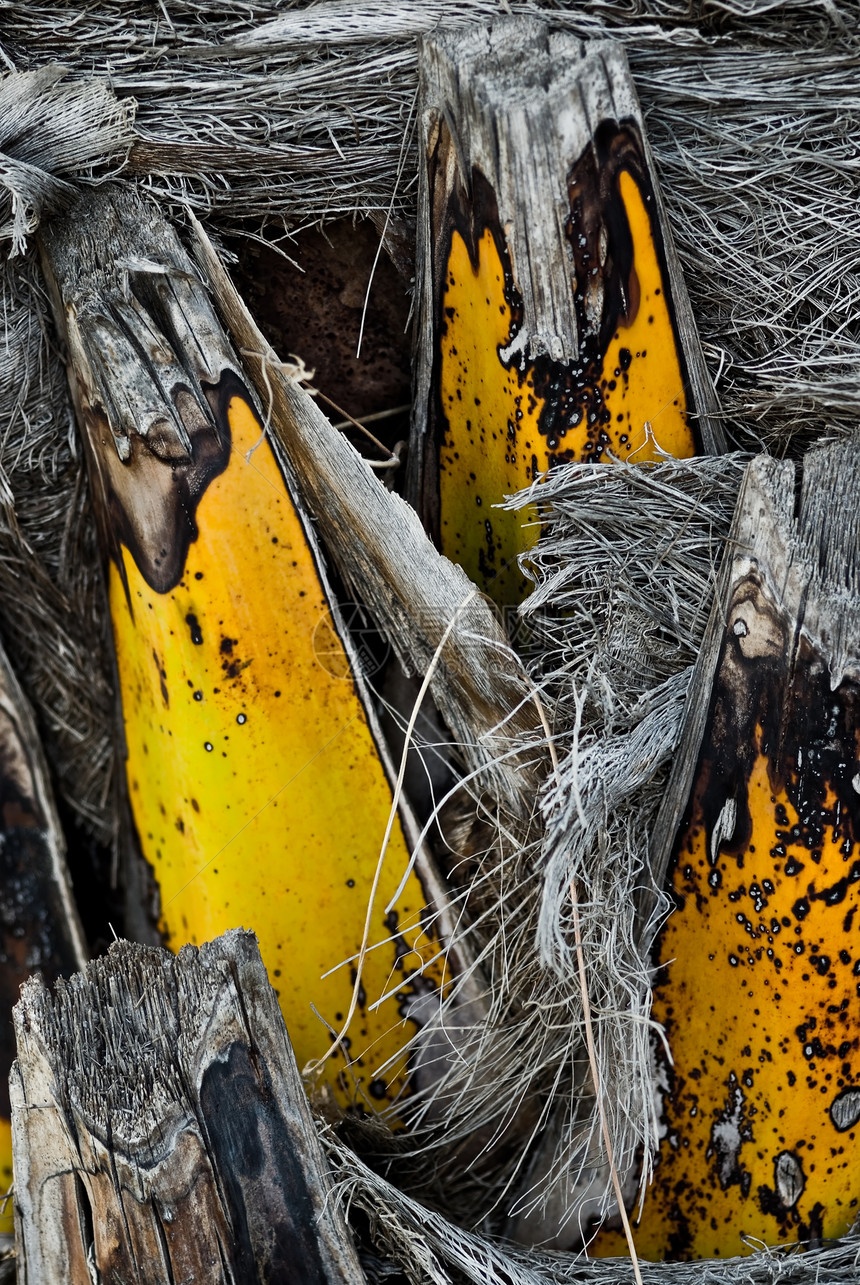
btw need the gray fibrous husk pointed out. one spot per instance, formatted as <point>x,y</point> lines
<point>53,617</point>
<point>624,575</point>
<point>429,1248</point>
<point>54,132</point>
<point>293,114</point>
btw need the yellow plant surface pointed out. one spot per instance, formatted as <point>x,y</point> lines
<point>758,984</point>
<point>7,1225</point>
<point>500,432</point>
<point>256,785</point>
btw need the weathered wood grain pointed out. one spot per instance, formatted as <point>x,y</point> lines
<point>759,835</point>
<point>162,1133</point>
<point>554,323</point>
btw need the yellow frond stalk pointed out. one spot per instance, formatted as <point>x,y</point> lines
<point>555,317</point>
<point>259,788</point>
<point>758,963</point>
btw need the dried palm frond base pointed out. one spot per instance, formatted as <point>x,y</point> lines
<point>270,119</point>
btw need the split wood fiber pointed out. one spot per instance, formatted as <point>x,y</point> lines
<point>162,1132</point>
<point>257,782</point>
<point>554,322</point>
<point>39,928</point>
<point>758,963</point>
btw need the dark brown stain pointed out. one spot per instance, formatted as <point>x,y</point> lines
<point>597,215</point>
<point>148,504</point>
<point>313,307</point>
<point>606,286</point>
<point>470,213</point>
<point>812,1233</point>
<point>194,628</point>
<point>162,679</point>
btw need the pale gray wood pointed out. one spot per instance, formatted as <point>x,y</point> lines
<point>161,1129</point>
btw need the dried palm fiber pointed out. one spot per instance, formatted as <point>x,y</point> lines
<point>296,113</point>
<point>629,555</point>
<point>624,575</point>
<point>53,132</point>
<point>51,614</point>
<point>431,1249</point>
<point>752,118</point>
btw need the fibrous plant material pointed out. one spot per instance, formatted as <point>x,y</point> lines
<point>39,928</point>
<point>756,988</point>
<point>162,1131</point>
<point>48,545</point>
<point>554,322</point>
<point>751,115</point>
<point>624,574</point>
<point>257,781</point>
<point>432,1248</point>
<point>54,134</point>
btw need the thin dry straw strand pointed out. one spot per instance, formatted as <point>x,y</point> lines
<point>587,1023</point>
<point>316,1065</point>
